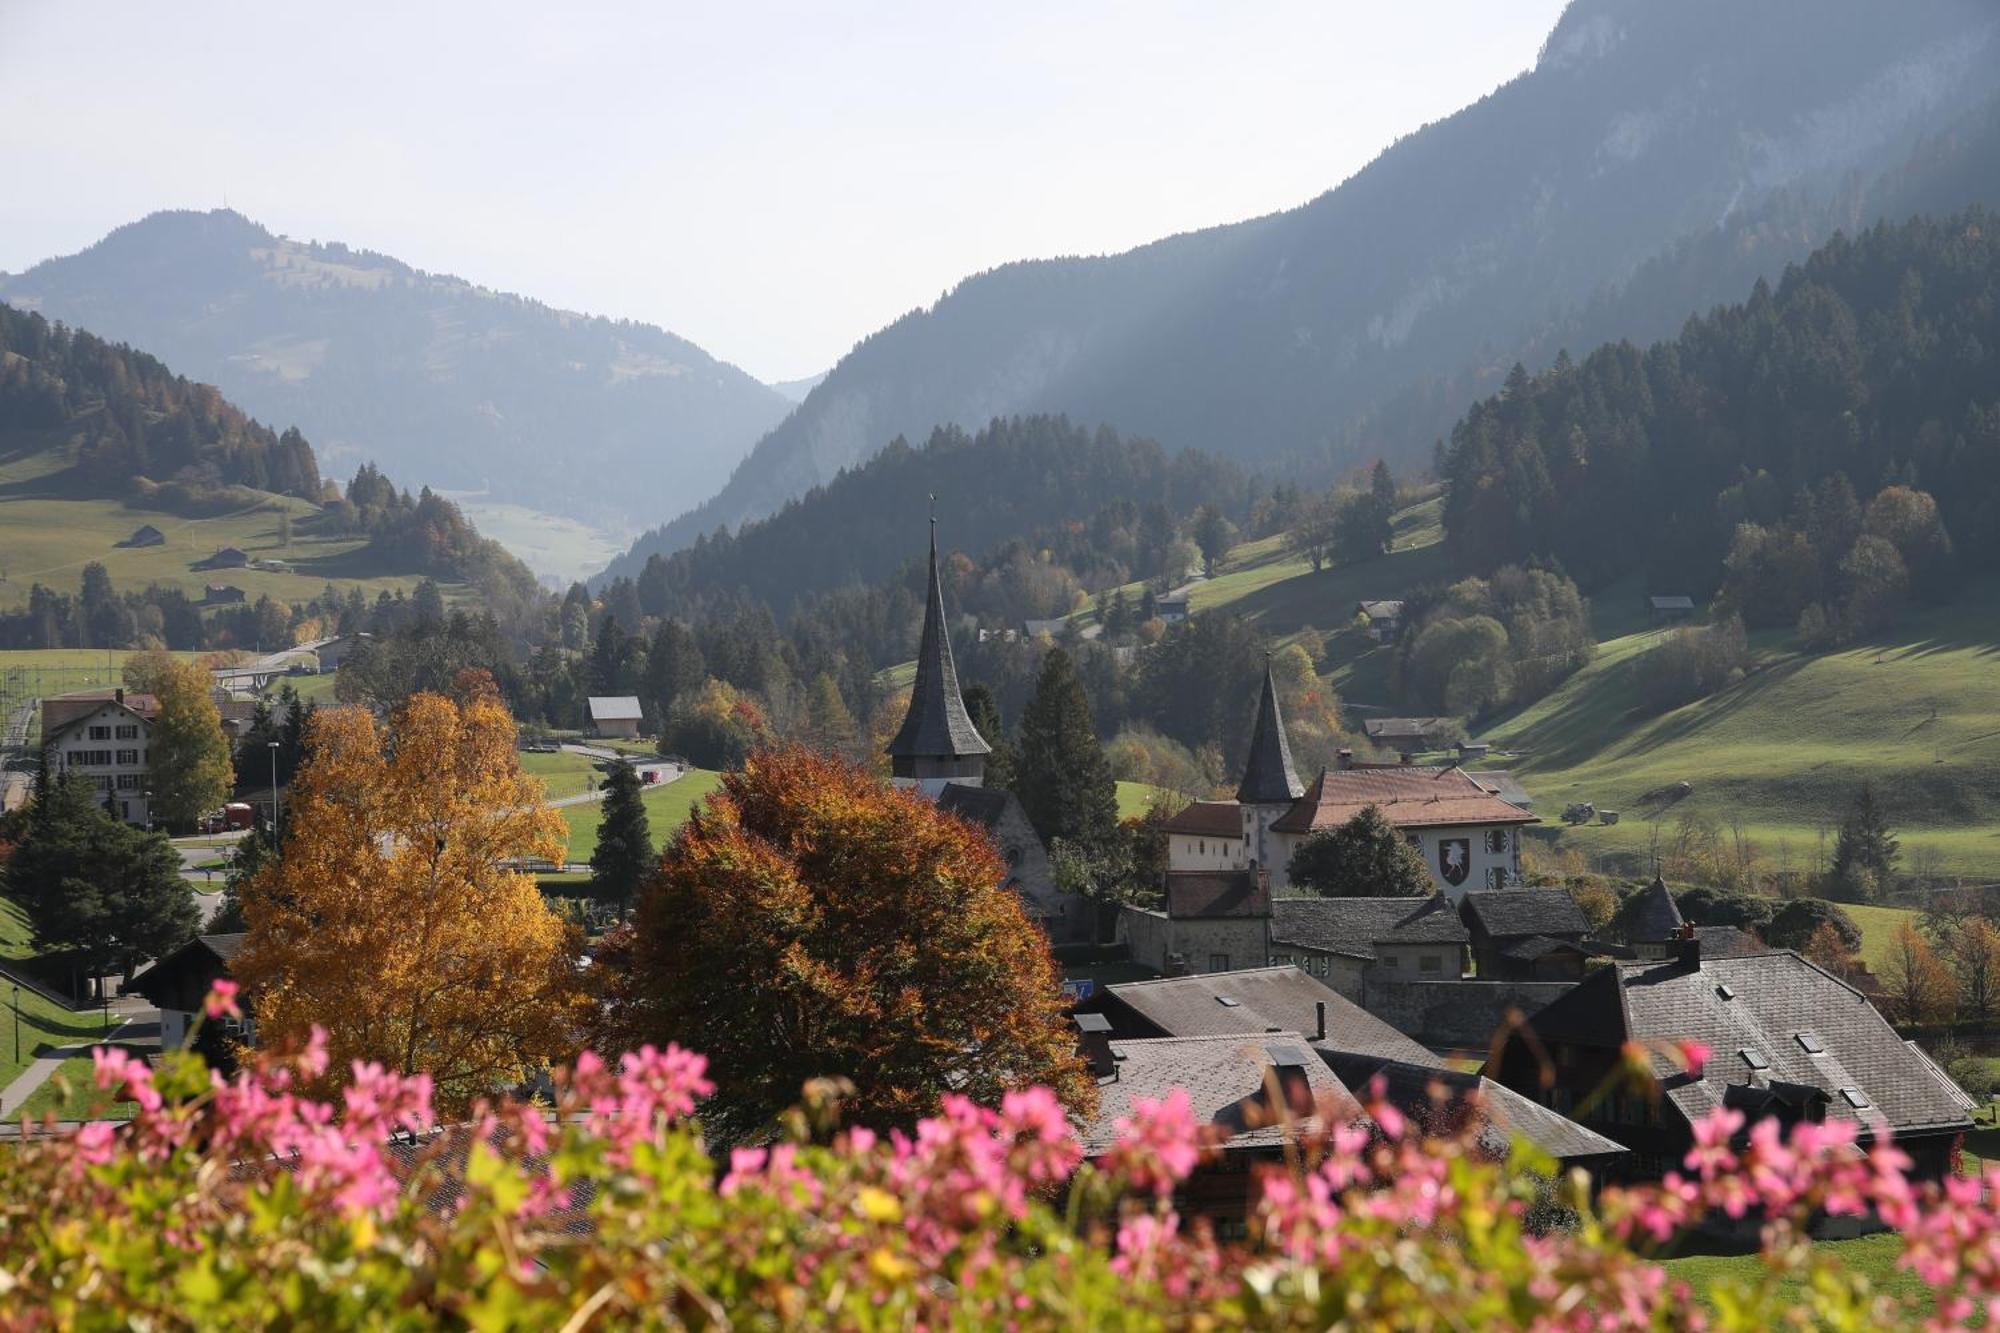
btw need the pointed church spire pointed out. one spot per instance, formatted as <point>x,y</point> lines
<point>1268,775</point>
<point>936,728</point>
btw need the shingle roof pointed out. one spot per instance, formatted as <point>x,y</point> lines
<point>1198,894</point>
<point>1773,999</point>
<point>1356,925</point>
<point>936,725</point>
<point>225,947</point>
<point>1654,916</point>
<point>1440,1099</point>
<point>614,708</point>
<point>1681,603</point>
<point>1378,610</point>
<point>1502,783</point>
<point>1409,796</point>
<point>980,805</point>
<point>1376,728</point>
<point>1518,913</point>
<point>1268,775</point>
<point>1224,1077</point>
<point>1539,946</point>
<point>1264,998</point>
<point>1728,942</point>
<point>1208,819</point>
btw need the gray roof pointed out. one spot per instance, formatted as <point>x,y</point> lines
<point>936,725</point>
<point>1502,783</point>
<point>1680,603</point>
<point>1356,925</point>
<point>1538,946</point>
<point>225,947</point>
<point>1375,727</point>
<point>1268,775</point>
<point>1728,942</point>
<point>1765,1004</point>
<point>1654,915</point>
<point>1194,895</point>
<point>1225,1079</point>
<point>1439,1100</point>
<point>1261,998</point>
<point>1388,608</point>
<point>980,805</point>
<point>1517,913</point>
<point>615,708</point>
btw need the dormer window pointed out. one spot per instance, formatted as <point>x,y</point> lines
<point>1755,1059</point>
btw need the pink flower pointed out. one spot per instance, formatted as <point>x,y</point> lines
<point>1693,1055</point>
<point>115,1069</point>
<point>221,1001</point>
<point>1158,1144</point>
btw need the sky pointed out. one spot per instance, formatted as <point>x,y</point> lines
<point>772,181</point>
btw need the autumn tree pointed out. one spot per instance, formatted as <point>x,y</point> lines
<point>811,921</point>
<point>1312,534</point>
<point>392,919</point>
<point>1973,950</point>
<point>1363,858</point>
<point>1919,986</point>
<point>1827,947</point>
<point>188,760</point>
<point>624,851</point>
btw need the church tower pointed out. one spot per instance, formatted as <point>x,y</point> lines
<point>937,744</point>
<point>1270,783</point>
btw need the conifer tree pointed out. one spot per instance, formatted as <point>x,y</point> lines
<point>1062,777</point>
<point>984,710</point>
<point>1864,856</point>
<point>624,841</point>
<point>830,726</point>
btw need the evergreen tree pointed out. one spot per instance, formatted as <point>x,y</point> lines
<point>1382,485</point>
<point>607,656</point>
<point>1212,534</point>
<point>984,710</point>
<point>1363,858</point>
<point>624,852</point>
<point>830,727</point>
<point>1864,856</point>
<point>428,605</point>
<point>1063,779</point>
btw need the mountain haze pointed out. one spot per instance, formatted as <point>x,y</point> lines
<point>440,381</point>
<point>1694,145</point>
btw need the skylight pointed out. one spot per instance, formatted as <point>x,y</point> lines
<point>1755,1059</point>
<point>1856,1098</point>
<point>1808,1043</point>
<point>1725,992</point>
<point>1226,1000</point>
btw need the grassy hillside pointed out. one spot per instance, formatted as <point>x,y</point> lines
<point>667,808</point>
<point>1917,713</point>
<point>49,532</point>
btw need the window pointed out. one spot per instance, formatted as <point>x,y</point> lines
<point>100,733</point>
<point>102,784</point>
<point>1808,1043</point>
<point>128,782</point>
<point>1390,960</point>
<point>1755,1059</point>
<point>1496,878</point>
<point>128,731</point>
<point>1496,840</point>
<point>1430,962</point>
<point>128,757</point>
<point>1320,965</point>
<point>90,758</point>
<point>1218,962</point>
<point>1856,1098</point>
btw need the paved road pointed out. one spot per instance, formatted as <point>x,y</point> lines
<point>141,1027</point>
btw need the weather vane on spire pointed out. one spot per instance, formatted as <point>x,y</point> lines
<point>933,507</point>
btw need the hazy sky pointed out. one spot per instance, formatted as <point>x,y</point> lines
<point>772,181</point>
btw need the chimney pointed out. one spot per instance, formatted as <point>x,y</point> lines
<point>1319,1020</point>
<point>1686,931</point>
<point>119,694</point>
<point>1407,758</point>
<point>1093,1040</point>
<point>1689,955</point>
<point>1343,759</point>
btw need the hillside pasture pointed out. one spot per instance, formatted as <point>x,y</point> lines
<point>667,808</point>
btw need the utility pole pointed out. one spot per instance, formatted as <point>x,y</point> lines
<point>272,746</point>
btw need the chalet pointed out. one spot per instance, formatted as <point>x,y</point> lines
<point>1665,610</point>
<point>615,715</point>
<point>222,594</point>
<point>104,737</point>
<point>1055,628</point>
<point>178,983</point>
<point>145,535</point>
<point>1408,735</point>
<point>1172,606</point>
<point>1341,939</point>
<point>938,751</point>
<point>1785,1039</point>
<point>1383,620</point>
<point>1526,934</point>
<point>226,557</point>
<point>1468,836</point>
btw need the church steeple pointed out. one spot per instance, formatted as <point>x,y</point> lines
<point>937,742</point>
<point>1268,775</point>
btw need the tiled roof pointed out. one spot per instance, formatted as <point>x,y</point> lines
<point>1502,783</point>
<point>1728,942</point>
<point>1224,1077</point>
<point>1439,1100</point>
<point>1199,894</point>
<point>1262,998</point>
<point>1539,946</point>
<point>1517,913</point>
<point>1377,727</point>
<point>1775,1005</point>
<point>614,708</point>
<point>225,947</point>
<point>936,725</point>
<point>1208,819</point>
<point>979,805</point>
<point>1408,795</point>
<point>1356,925</point>
<point>1378,610</point>
<point>1654,915</point>
<point>1268,774</point>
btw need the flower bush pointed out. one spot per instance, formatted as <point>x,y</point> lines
<point>240,1203</point>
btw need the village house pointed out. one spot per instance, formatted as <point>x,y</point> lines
<point>1340,939</point>
<point>103,735</point>
<point>1666,610</point>
<point>1784,1038</point>
<point>615,715</point>
<point>940,753</point>
<point>1409,735</point>
<point>1383,620</point>
<point>1526,934</point>
<point>179,983</point>
<point>226,557</point>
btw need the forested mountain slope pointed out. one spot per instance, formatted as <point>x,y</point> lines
<point>440,381</point>
<point>1655,160</point>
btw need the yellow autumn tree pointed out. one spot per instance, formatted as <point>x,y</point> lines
<point>392,920</point>
<point>190,769</point>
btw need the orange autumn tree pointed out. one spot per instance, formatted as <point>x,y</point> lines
<point>390,919</point>
<point>811,921</point>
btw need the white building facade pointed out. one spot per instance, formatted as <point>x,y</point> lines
<point>109,748</point>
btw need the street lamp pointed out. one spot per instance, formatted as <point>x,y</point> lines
<point>147,797</point>
<point>17,1024</point>
<point>272,746</point>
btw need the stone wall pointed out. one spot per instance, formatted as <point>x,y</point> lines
<point>1154,938</point>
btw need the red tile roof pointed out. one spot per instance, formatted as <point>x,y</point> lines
<point>1199,894</point>
<point>1208,819</point>
<point>1409,796</point>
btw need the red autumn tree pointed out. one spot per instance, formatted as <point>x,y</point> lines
<point>811,921</point>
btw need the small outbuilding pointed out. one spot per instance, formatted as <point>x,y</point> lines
<point>227,557</point>
<point>1385,619</point>
<point>1666,609</point>
<point>145,535</point>
<point>222,594</point>
<point>615,715</point>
